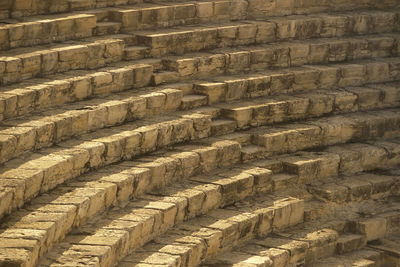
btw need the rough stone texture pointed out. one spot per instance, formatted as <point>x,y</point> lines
<point>212,133</point>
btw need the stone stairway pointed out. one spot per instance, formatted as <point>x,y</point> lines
<point>199,133</point>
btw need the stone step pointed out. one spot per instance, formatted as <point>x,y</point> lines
<point>282,54</point>
<point>354,188</point>
<point>300,248</point>
<point>298,79</point>
<point>99,191</point>
<point>326,131</point>
<point>107,28</point>
<point>168,14</point>
<point>61,124</point>
<point>122,142</point>
<point>39,172</point>
<point>349,243</point>
<point>36,7</point>
<point>105,192</point>
<point>46,30</point>
<point>200,237</point>
<point>380,219</point>
<point>311,244</point>
<point>193,101</point>
<point>270,110</point>
<point>94,193</point>
<point>366,156</point>
<point>361,258</point>
<point>391,249</point>
<point>292,248</point>
<point>180,40</point>
<point>40,94</point>
<point>135,52</point>
<point>256,9</point>
<point>20,64</point>
<point>55,125</point>
<point>25,97</point>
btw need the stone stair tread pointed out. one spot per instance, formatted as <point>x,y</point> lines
<point>199,133</point>
<point>124,166</point>
<point>247,33</point>
<point>361,258</point>
<point>309,244</point>
<point>389,245</point>
<point>255,57</point>
<point>184,231</point>
<point>98,190</point>
<point>16,52</point>
<point>72,158</point>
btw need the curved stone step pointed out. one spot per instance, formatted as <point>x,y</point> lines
<point>207,234</point>
<point>186,39</point>
<point>60,124</point>
<point>39,172</point>
<point>94,193</point>
<point>282,54</point>
<point>298,79</point>
<point>21,63</point>
<point>46,30</point>
<point>270,110</point>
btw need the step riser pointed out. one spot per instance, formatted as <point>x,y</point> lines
<point>306,79</point>
<point>94,55</point>
<point>38,97</point>
<point>259,182</point>
<point>115,149</point>
<point>116,188</point>
<point>253,8</point>
<point>78,122</point>
<point>256,223</point>
<point>302,107</point>
<point>174,15</point>
<point>314,135</point>
<point>38,7</point>
<point>20,102</point>
<point>285,55</point>
<point>216,11</point>
<point>58,167</point>
<point>46,31</point>
<point>257,33</point>
<point>304,250</point>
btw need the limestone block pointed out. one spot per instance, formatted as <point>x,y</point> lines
<point>242,115</point>
<point>208,158</point>
<point>305,79</point>
<point>49,61</point>
<point>81,87</point>
<point>214,91</point>
<point>382,22</point>
<point>319,52</point>
<point>352,75</point>
<point>155,102</point>
<point>228,152</point>
<point>122,79</point>
<point>84,25</point>
<point>114,148</point>
<point>335,26</point>
<point>258,86</point>
<point>381,46</point>
<point>373,228</point>
<point>281,82</point>
<point>149,137</point>
<point>132,143</point>
<point>338,50</point>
